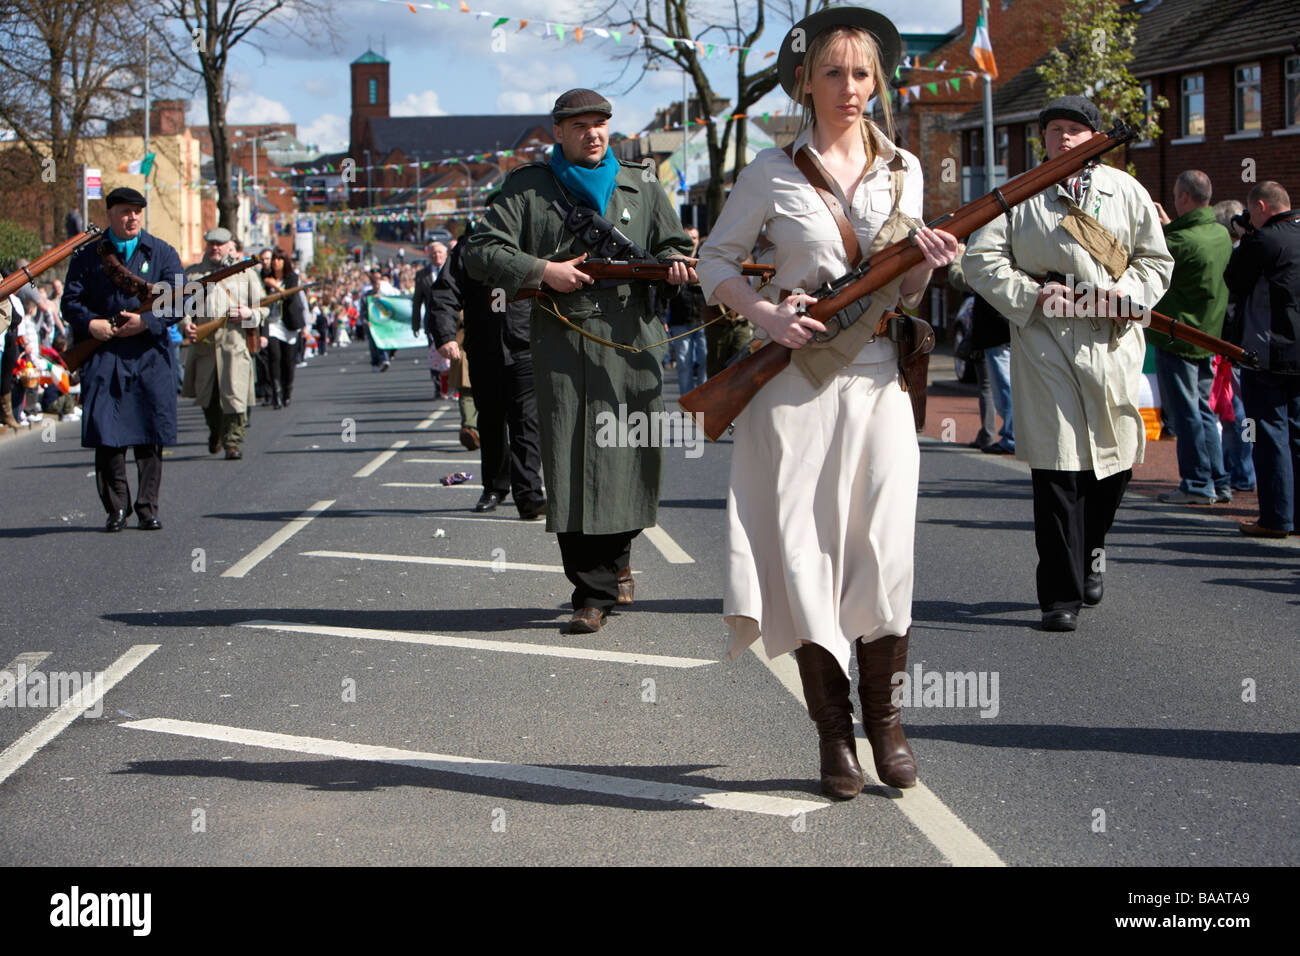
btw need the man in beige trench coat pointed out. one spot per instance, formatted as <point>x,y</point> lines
<point>1074,375</point>
<point>219,371</point>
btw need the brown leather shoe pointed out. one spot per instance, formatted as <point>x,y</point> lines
<point>233,453</point>
<point>626,586</point>
<point>878,662</point>
<point>469,438</point>
<point>586,620</point>
<point>826,690</point>
<point>1254,529</point>
<point>214,444</point>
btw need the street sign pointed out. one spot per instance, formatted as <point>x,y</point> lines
<point>94,185</point>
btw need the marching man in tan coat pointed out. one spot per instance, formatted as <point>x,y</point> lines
<point>1075,372</point>
<point>219,371</point>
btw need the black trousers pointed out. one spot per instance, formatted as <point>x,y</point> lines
<point>510,443</point>
<point>592,563</point>
<point>1073,512</point>
<point>110,479</point>
<point>280,364</point>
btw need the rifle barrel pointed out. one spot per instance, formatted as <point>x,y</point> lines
<point>15,281</point>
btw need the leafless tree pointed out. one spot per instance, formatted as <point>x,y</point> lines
<point>65,65</point>
<point>694,26</point>
<point>200,37</point>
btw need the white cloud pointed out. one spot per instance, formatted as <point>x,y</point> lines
<point>418,104</point>
<point>519,81</point>
<point>321,86</point>
<point>254,108</point>
<point>329,132</point>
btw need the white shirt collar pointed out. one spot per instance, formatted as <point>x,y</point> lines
<point>884,149</point>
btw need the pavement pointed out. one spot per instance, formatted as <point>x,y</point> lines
<point>325,657</point>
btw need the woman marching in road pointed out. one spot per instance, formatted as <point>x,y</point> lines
<point>822,508</point>
<point>283,326</point>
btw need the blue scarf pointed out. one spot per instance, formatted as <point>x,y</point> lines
<point>125,247</point>
<point>592,186</point>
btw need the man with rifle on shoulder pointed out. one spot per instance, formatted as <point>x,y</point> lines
<point>128,384</point>
<point>219,371</point>
<point>549,218</point>
<point>1075,369</point>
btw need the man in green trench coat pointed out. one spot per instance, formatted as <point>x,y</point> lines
<point>600,492</point>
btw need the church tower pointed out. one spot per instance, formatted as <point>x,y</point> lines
<point>369,95</point>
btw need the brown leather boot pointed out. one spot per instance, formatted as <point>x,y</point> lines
<point>827,691</point>
<point>878,662</point>
<point>7,411</point>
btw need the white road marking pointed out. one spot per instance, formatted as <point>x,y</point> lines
<point>263,550</point>
<point>491,769</point>
<point>539,522</point>
<point>378,461</point>
<point>468,459</point>
<point>669,548</point>
<point>428,422</point>
<point>424,484</point>
<point>28,661</point>
<point>959,844</point>
<point>426,559</point>
<point>476,644</point>
<point>26,746</point>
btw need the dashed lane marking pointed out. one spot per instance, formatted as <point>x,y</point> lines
<point>959,844</point>
<point>625,787</point>
<point>26,746</point>
<point>477,644</point>
<point>669,548</point>
<point>263,550</point>
<point>28,661</point>
<point>433,417</point>
<point>378,461</point>
<point>426,559</point>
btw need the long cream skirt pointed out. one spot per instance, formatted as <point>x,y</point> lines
<point>822,513</point>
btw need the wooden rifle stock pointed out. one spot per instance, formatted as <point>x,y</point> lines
<point>725,395</point>
<point>646,271</point>
<point>16,280</point>
<point>78,354</point>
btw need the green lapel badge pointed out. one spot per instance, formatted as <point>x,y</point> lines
<point>626,217</point>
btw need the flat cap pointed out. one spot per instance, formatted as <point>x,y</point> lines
<point>219,234</point>
<point>577,102</point>
<point>124,194</point>
<point>1077,108</point>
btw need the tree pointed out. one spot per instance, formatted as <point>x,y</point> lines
<point>1092,57</point>
<point>690,48</point>
<point>65,65</point>
<point>210,29</point>
<point>16,242</point>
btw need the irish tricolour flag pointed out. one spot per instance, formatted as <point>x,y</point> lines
<point>982,49</point>
<point>140,167</point>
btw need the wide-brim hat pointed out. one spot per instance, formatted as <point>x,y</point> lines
<point>802,34</point>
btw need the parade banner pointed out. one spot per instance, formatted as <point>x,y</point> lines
<point>390,322</point>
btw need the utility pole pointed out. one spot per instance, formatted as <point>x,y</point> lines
<point>146,121</point>
<point>988,114</point>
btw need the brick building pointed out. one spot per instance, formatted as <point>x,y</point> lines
<point>398,156</point>
<point>1231,72</point>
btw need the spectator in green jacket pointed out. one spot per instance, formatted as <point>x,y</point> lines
<point>1197,296</point>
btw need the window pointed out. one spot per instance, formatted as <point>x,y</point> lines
<point>1002,141</point>
<point>1293,91</point>
<point>1194,105</point>
<point>1148,94</point>
<point>977,148</point>
<point>374,91</point>
<point>1032,137</point>
<point>1249,98</point>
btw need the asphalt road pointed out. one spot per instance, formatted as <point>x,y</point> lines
<point>397,705</point>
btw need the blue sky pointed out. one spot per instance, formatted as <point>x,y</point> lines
<point>444,62</point>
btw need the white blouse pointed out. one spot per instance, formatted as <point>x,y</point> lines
<point>771,194</point>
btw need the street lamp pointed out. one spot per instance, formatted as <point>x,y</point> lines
<point>255,140</point>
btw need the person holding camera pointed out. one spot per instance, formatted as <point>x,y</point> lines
<point>1263,276</point>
